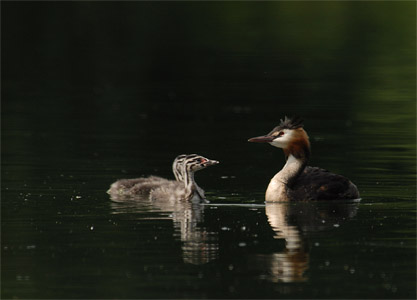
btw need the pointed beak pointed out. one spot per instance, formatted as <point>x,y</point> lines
<point>210,162</point>
<point>262,139</point>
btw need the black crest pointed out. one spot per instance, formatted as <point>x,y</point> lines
<point>290,123</point>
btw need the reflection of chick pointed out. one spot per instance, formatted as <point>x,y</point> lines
<point>296,180</point>
<point>183,167</point>
<point>169,200</point>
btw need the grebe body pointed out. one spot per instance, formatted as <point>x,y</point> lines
<point>185,187</point>
<point>296,180</point>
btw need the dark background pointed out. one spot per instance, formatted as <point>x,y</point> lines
<point>203,74</point>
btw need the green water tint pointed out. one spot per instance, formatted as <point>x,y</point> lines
<point>95,92</point>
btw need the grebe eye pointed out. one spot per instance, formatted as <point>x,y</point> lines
<point>281,133</point>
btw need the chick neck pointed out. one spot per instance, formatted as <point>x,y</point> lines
<point>191,186</point>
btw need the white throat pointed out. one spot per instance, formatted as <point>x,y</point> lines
<point>290,169</point>
<point>278,186</point>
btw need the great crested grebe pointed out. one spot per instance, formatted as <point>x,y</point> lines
<point>184,188</point>
<point>296,180</point>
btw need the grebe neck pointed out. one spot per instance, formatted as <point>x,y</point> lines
<point>291,170</point>
<point>191,186</point>
<point>282,181</point>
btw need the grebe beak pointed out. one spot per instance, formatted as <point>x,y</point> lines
<point>262,139</point>
<point>210,162</point>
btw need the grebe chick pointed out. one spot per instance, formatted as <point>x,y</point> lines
<point>297,181</point>
<point>185,187</point>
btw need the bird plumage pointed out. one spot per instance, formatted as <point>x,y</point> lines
<point>296,180</point>
<point>185,187</point>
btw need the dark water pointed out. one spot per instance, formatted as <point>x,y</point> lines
<point>97,91</point>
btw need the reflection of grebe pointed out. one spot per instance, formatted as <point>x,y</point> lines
<point>295,180</point>
<point>289,265</point>
<point>294,221</point>
<point>185,187</point>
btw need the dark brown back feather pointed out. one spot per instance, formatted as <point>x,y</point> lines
<point>319,184</point>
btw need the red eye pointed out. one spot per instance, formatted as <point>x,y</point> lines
<point>281,133</point>
<point>202,160</point>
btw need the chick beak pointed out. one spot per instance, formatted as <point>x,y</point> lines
<point>262,139</point>
<point>210,162</point>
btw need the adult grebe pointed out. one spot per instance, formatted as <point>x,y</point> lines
<point>185,188</point>
<point>296,180</point>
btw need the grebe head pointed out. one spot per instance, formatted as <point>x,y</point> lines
<point>288,135</point>
<point>194,162</point>
<point>190,163</point>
